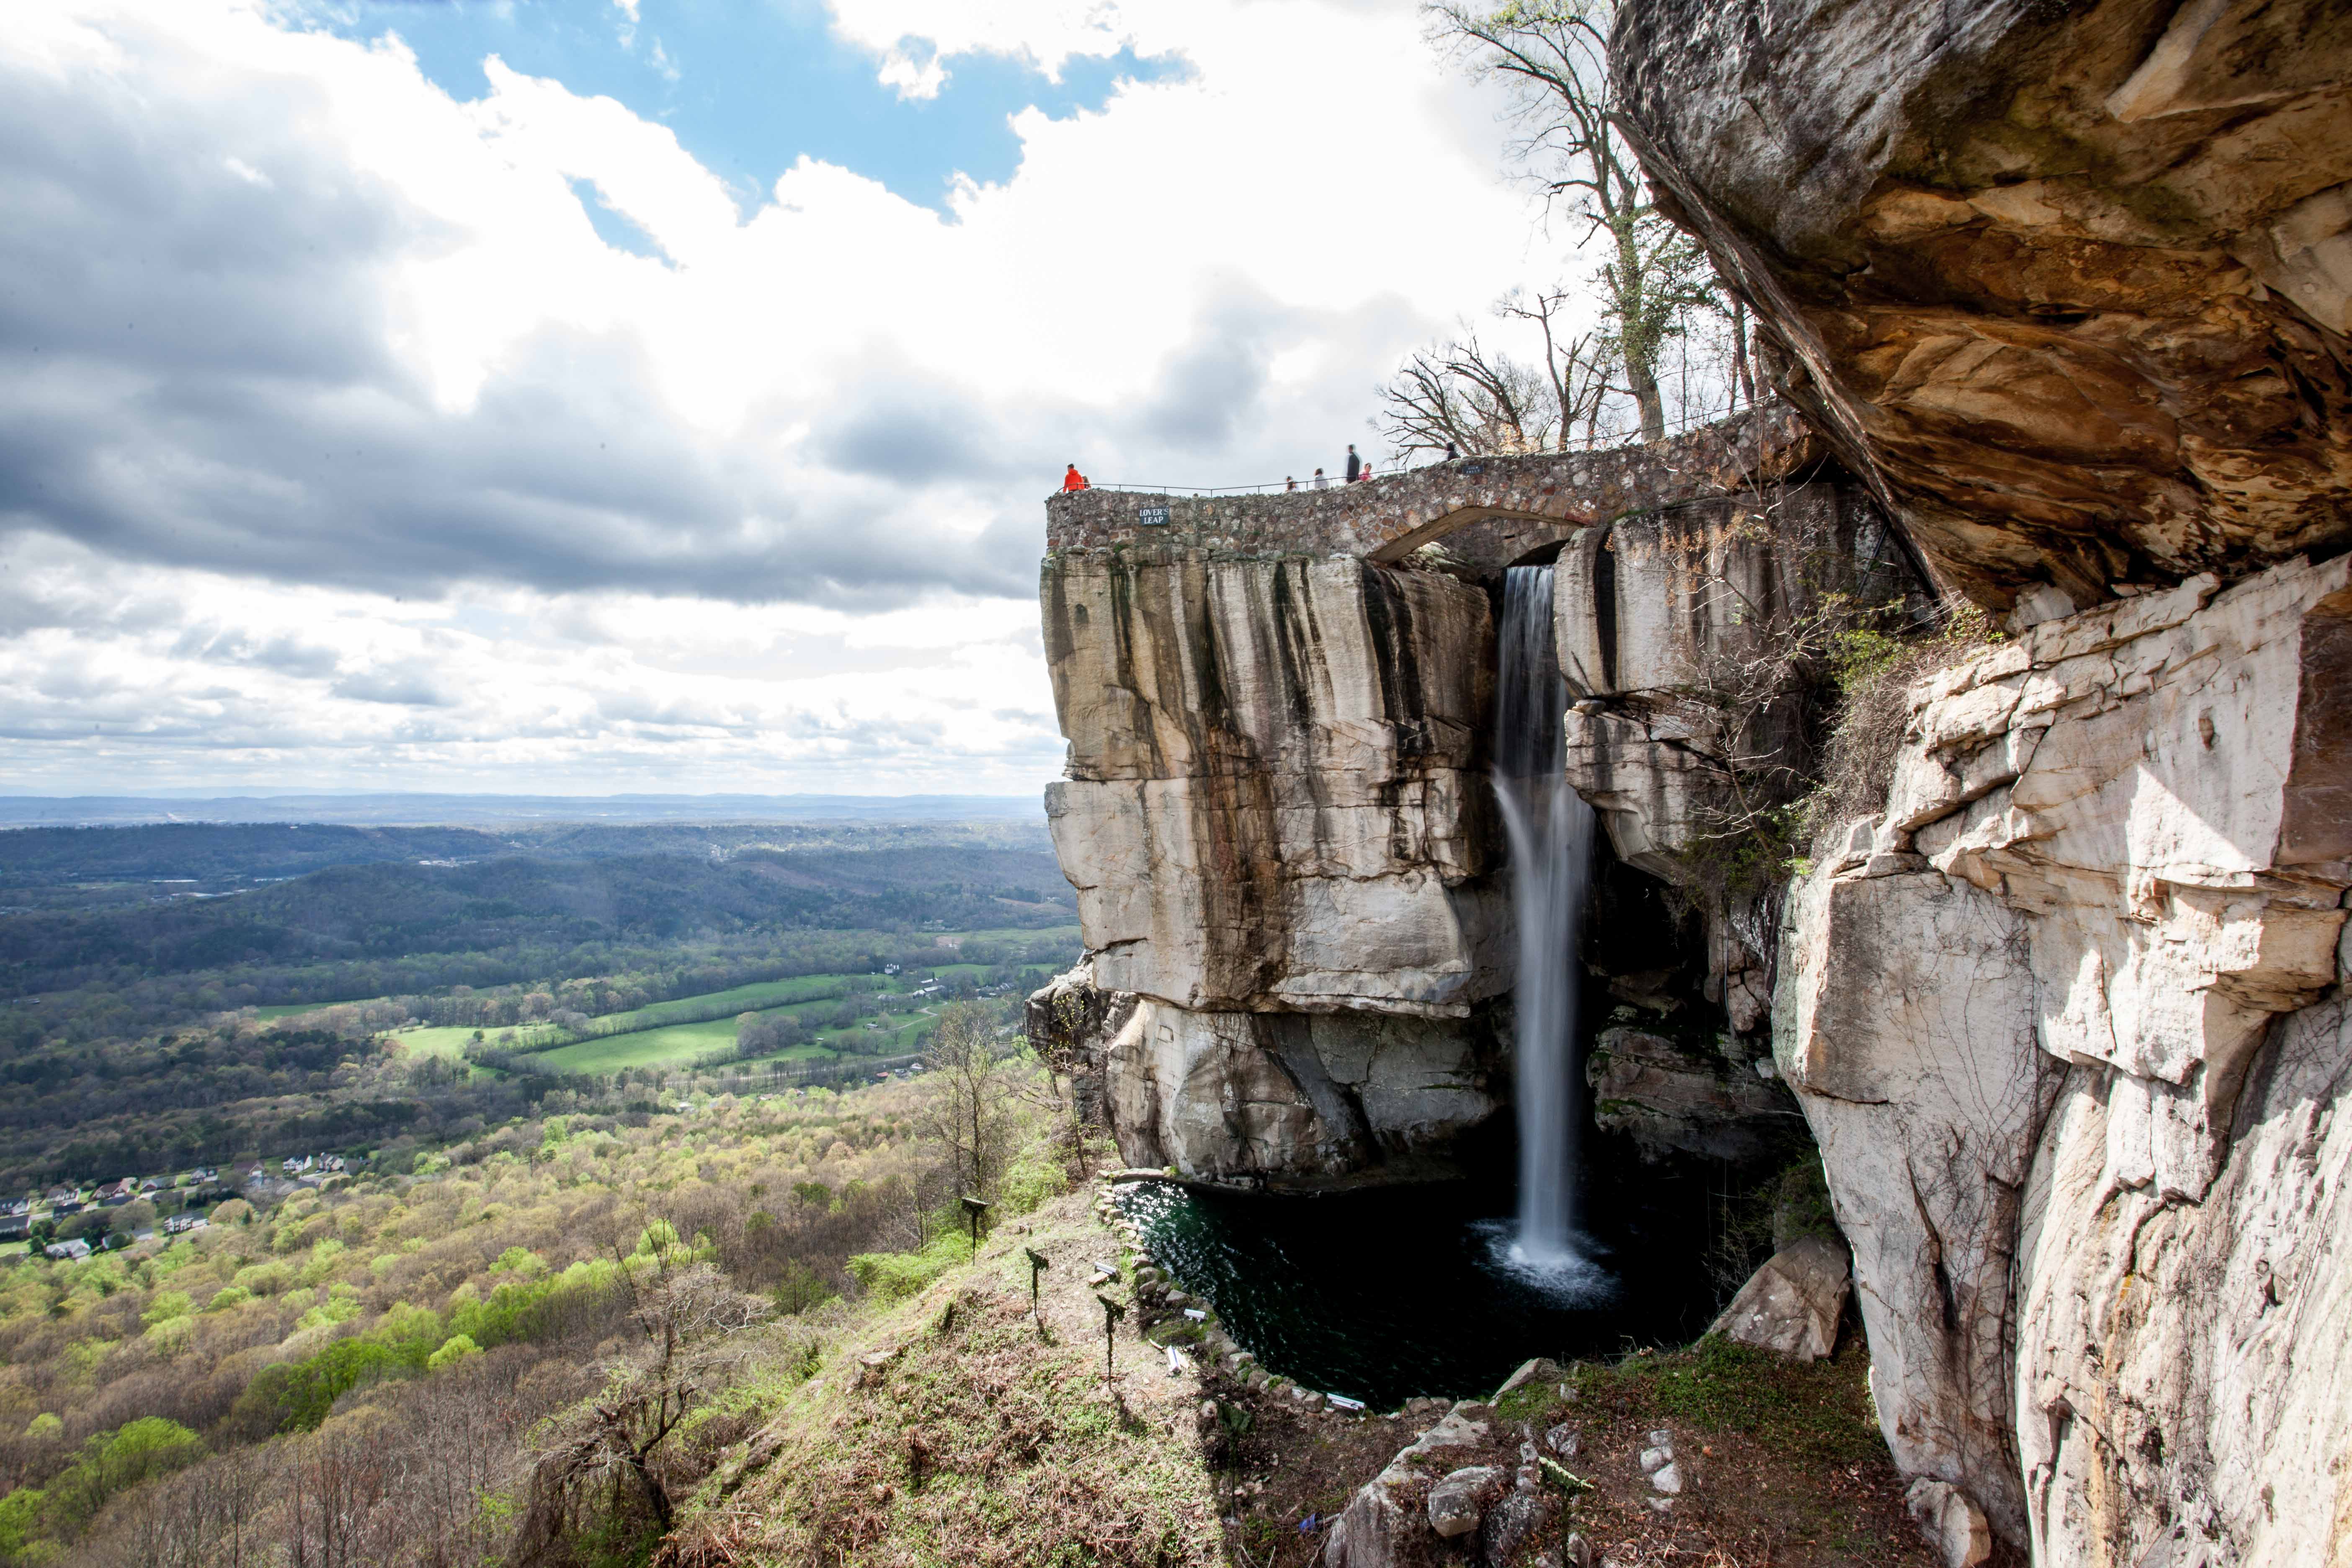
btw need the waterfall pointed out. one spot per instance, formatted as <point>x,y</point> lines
<point>1550,833</point>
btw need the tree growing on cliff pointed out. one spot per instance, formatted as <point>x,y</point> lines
<point>1654,281</point>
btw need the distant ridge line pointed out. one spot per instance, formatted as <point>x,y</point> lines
<point>391,809</point>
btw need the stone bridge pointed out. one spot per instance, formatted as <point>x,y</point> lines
<point>1489,511</point>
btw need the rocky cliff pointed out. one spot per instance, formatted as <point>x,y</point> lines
<point>1278,812</point>
<point>2068,287</point>
<point>2069,283</point>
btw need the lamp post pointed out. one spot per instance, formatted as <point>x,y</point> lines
<point>1037,1266</point>
<point>1112,1313</point>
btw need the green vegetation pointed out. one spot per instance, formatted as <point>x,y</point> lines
<point>362,1326</point>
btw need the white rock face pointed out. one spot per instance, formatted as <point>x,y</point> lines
<point>1270,1093</point>
<point>1282,848</point>
<point>1270,805</point>
<point>2061,1024</point>
<point>1659,605</point>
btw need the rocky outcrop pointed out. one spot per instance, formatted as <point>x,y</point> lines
<point>2063,1022</point>
<point>1671,1100</point>
<point>1281,1094</point>
<point>2073,282</point>
<point>1278,812</point>
<point>1271,801</point>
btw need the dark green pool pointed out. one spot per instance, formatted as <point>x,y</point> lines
<point>1384,1294</point>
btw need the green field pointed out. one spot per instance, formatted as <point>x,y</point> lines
<point>668,1035</point>
<point>445,1042</point>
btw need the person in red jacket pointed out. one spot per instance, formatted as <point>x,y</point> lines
<point>1073,481</point>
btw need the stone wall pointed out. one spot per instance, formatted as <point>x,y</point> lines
<point>1489,509</point>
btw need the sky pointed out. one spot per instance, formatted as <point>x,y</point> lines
<point>661,395</point>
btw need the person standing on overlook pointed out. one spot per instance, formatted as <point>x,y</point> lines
<point>1355,464</point>
<point>1321,481</point>
<point>1073,481</point>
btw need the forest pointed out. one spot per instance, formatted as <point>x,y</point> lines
<point>393,1158</point>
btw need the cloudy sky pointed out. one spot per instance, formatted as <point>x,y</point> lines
<point>660,395</point>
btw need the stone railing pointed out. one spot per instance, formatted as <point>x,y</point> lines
<point>1489,509</point>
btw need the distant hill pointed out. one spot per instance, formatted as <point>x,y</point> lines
<point>115,863</point>
<point>491,810</point>
<point>394,909</point>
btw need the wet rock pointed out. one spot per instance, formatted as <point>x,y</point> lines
<point>1671,1101</point>
<point>1791,1304</point>
<point>1458,1502</point>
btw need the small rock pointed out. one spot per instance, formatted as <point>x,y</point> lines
<point>1576,1551</point>
<point>1453,1503</point>
<point>1668,1478</point>
<point>1563,1440</point>
<point>1652,1460</point>
<point>1662,1438</point>
<point>1953,1525</point>
<point>1511,1523</point>
<point>1541,1369</point>
<point>1661,1504</point>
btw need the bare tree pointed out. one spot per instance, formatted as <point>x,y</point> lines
<point>1553,57</point>
<point>1460,394</point>
<point>973,1110</point>
<point>609,1447</point>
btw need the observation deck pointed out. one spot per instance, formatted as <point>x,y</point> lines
<point>1489,511</point>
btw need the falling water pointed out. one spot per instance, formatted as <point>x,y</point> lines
<point>1550,831</point>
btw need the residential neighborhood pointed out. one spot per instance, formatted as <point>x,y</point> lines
<point>178,1201</point>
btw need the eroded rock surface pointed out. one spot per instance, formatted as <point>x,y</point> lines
<point>1271,801</point>
<point>2076,281</point>
<point>2062,1021</point>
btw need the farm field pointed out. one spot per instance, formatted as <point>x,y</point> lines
<point>663,1044</point>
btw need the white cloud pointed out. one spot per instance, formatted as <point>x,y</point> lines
<point>391,463</point>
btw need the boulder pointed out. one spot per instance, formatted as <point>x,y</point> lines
<point>1380,1528</point>
<point>1954,1526</point>
<point>1458,1502</point>
<point>1506,1528</point>
<point>1791,1305</point>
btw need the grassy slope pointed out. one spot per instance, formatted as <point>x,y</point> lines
<point>973,1440</point>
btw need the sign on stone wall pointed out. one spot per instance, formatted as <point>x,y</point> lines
<point>1153,516</point>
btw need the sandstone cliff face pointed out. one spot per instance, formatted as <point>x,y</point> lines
<point>2065,1020</point>
<point>1282,844</point>
<point>1278,812</point>
<point>1271,801</point>
<point>2072,281</point>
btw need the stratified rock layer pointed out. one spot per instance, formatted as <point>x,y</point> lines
<point>1271,801</point>
<point>2063,1022</point>
<point>2073,281</point>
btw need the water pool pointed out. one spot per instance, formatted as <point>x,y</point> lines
<point>1383,1294</point>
